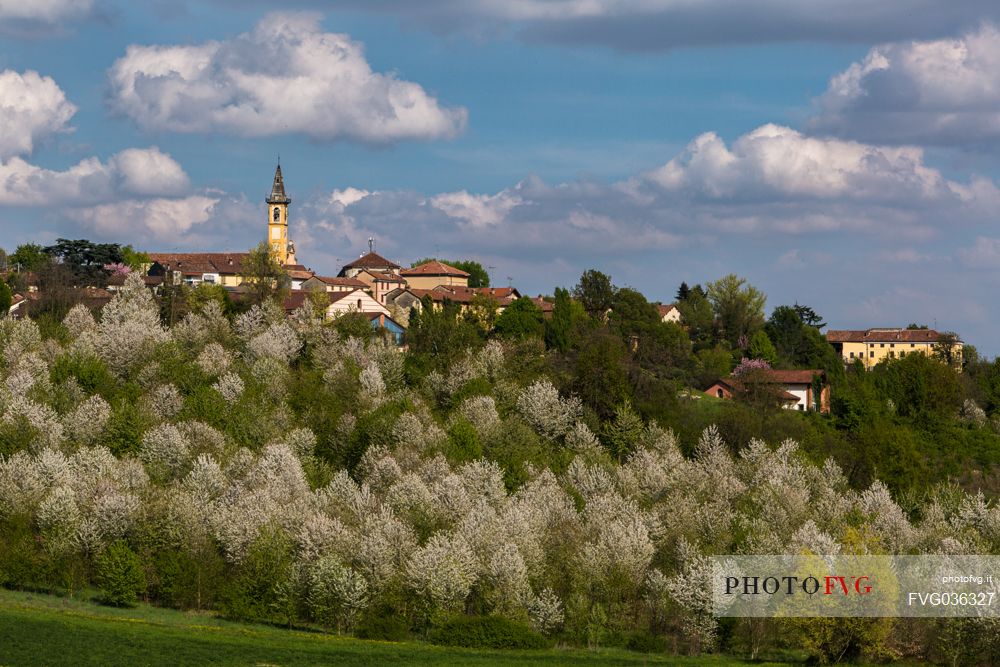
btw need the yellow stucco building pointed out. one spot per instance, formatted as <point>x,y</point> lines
<point>277,221</point>
<point>871,346</point>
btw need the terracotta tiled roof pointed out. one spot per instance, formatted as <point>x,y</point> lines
<point>733,385</point>
<point>504,295</point>
<point>546,306</point>
<point>343,282</point>
<point>665,308</point>
<point>794,377</point>
<point>382,276</point>
<point>192,263</point>
<point>371,261</point>
<point>883,336</point>
<point>434,268</point>
<point>296,298</point>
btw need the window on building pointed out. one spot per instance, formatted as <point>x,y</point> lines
<point>800,407</point>
<point>852,355</point>
<point>892,345</point>
<point>871,355</point>
<point>892,355</point>
<point>881,344</point>
<point>720,393</point>
<point>277,214</point>
<point>913,344</point>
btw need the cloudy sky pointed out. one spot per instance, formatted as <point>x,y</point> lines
<point>838,153</point>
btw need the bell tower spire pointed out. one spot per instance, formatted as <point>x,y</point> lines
<point>277,220</point>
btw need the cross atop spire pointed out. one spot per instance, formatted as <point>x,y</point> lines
<point>278,195</point>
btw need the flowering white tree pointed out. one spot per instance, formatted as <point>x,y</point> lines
<point>130,328</point>
<point>542,407</point>
<point>441,573</point>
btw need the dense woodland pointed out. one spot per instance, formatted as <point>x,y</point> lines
<point>559,473</point>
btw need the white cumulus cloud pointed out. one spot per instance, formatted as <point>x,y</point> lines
<point>133,171</point>
<point>775,162</point>
<point>285,76</point>
<point>42,11</point>
<point>32,108</point>
<point>162,219</point>
<point>941,91</point>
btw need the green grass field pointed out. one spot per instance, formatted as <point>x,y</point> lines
<point>48,630</point>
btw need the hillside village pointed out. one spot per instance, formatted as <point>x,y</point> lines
<point>385,294</point>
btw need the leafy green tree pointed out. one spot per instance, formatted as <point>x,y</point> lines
<point>135,259</point>
<point>738,306</point>
<point>762,348</point>
<point>711,364</point>
<point>353,325</point>
<point>482,311</point>
<point>696,313</point>
<point>622,434</point>
<point>682,292</point>
<point>440,333</point>
<point>521,319</point>
<point>28,257</point>
<point>595,292</point>
<point>601,372</point>
<point>559,328</point>
<point>120,575</point>
<point>947,350</point>
<point>631,313</point>
<point>919,386</point>
<point>264,275</point>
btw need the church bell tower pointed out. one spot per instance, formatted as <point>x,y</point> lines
<point>277,221</point>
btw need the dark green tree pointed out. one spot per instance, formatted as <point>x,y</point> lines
<point>440,332</point>
<point>595,292</point>
<point>682,292</point>
<point>6,299</point>
<point>521,319</point>
<point>697,315</point>
<point>85,259</point>
<point>631,313</point>
<point>809,317</point>
<point>600,373</point>
<point>559,328</point>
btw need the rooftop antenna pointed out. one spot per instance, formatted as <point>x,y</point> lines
<point>510,281</point>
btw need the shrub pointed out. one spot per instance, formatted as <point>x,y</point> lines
<point>487,632</point>
<point>385,626</point>
<point>645,643</point>
<point>120,575</point>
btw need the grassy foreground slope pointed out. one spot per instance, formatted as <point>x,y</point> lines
<point>47,630</point>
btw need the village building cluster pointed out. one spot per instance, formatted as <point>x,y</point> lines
<point>385,293</point>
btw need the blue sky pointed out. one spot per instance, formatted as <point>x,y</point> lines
<point>835,154</point>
